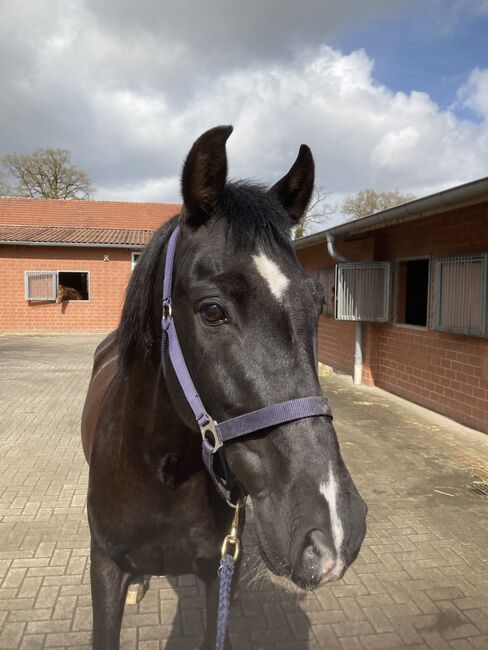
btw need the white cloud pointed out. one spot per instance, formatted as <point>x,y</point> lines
<point>128,97</point>
<point>474,93</point>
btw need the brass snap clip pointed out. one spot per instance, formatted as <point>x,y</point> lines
<point>232,538</point>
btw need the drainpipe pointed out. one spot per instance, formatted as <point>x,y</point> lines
<point>358,343</point>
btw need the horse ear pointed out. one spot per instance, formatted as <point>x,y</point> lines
<point>294,190</point>
<point>204,174</point>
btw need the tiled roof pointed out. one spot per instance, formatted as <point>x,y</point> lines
<point>86,214</point>
<point>67,235</point>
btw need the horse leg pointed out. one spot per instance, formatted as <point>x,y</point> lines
<point>109,588</point>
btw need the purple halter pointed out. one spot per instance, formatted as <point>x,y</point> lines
<point>214,434</point>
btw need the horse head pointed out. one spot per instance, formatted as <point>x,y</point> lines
<point>61,294</point>
<point>246,315</point>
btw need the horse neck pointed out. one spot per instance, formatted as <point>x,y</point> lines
<point>148,406</point>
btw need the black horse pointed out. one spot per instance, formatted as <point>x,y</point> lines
<point>247,321</point>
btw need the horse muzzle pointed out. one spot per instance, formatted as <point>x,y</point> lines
<point>317,562</point>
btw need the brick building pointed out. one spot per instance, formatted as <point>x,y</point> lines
<point>90,246</point>
<point>406,293</point>
<point>406,288</point>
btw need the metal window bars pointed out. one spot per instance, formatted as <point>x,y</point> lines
<point>461,294</point>
<point>363,291</point>
<point>40,285</point>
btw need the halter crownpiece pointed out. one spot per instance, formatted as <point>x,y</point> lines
<point>215,435</point>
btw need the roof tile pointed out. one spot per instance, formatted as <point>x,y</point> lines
<point>81,222</point>
<point>86,214</point>
<point>66,235</point>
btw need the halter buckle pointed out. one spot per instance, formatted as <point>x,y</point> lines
<point>167,311</point>
<point>211,435</point>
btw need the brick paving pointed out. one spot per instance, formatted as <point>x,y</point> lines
<point>421,581</point>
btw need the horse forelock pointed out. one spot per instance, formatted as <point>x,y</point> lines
<point>254,217</point>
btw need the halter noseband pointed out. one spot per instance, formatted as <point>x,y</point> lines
<point>215,435</point>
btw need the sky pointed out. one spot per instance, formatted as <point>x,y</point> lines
<point>389,94</point>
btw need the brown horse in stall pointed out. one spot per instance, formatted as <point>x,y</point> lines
<point>67,293</point>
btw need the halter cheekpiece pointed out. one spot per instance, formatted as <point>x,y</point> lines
<point>215,435</point>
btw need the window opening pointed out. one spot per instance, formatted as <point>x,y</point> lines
<point>412,292</point>
<point>135,259</point>
<point>74,285</point>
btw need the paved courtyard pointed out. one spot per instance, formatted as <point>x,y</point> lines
<point>421,581</point>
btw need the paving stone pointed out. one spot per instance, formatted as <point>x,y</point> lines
<point>11,635</point>
<point>385,640</point>
<point>32,642</point>
<point>420,582</point>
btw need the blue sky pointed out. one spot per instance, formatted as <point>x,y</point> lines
<point>431,47</point>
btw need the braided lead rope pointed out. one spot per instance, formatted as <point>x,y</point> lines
<point>226,571</point>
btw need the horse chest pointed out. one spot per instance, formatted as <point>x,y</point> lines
<point>154,528</point>
<point>170,550</point>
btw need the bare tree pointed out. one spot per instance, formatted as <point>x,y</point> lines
<point>369,201</point>
<point>318,212</point>
<point>5,189</point>
<point>47,174</point>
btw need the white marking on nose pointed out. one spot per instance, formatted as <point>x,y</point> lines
<point>270,271</point>
<point>329,491</point>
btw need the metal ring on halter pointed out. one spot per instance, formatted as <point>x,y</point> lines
<point>240,504</point>
<point>214,439</point>
<point>167,311</point>
<point>237,547</point>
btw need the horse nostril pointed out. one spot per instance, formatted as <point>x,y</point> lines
<point>319,542</point>
<point>319,561</point>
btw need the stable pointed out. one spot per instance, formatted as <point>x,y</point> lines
<point>406,300</point>
<point>89,247</point>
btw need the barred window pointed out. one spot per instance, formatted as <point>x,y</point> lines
<point>363,291</point>
<point>461,287</point>
<point>43,286</point>
<point>326,277</point>
<point>40,285</point>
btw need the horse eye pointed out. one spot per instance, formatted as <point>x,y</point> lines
<point>212,313</point>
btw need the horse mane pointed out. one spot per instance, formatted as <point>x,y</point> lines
<point>253,216</point>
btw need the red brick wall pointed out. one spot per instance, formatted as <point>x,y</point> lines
<point>108,281</point>
<point>336,343</point>
<point>444,372</point>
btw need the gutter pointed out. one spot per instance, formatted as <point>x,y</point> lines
<point>72,244</point>
<point>336,256</point>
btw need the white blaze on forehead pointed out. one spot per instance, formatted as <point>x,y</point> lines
<point>270,271</point>
<point>329,491</point>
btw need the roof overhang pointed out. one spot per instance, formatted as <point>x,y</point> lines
<point>462,195</point>
<point>132,247</point>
